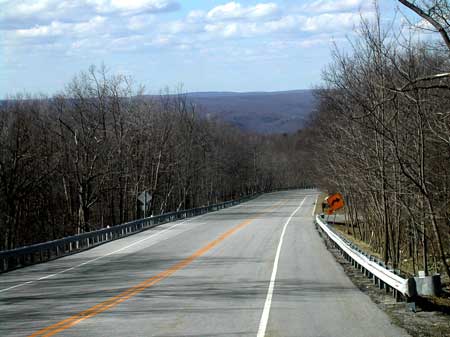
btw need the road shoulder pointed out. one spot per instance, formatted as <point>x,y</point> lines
<point>419,324</point>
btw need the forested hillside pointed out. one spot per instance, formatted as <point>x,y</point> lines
<point>382,138</point>
<point>78,161</point>
<point>261,112</point>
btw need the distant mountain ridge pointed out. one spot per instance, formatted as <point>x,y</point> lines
<point>261,112</point>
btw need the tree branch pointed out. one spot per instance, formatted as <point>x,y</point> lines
<point>428,18</point>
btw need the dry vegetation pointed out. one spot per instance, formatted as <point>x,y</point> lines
<point>77,161</point>
<point>382,138</point>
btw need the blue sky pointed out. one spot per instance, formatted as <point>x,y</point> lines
<point>209,45</point>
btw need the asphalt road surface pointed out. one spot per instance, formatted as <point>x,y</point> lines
<point>257,269</point>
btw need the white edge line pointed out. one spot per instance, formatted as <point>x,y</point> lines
<point>100,257</point>
<point>265,315</point>
<point>111,253</point>
<point>315,206</point>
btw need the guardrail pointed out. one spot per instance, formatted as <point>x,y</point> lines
<point>373,268</point>
<point>42,252</point>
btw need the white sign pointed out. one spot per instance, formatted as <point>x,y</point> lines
<point>145,197</point>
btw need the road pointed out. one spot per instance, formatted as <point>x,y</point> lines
<point>257,269</point>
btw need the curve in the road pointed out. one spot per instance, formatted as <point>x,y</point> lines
<point>114,301</point>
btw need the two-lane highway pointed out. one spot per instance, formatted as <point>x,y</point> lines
<point>257,269</point>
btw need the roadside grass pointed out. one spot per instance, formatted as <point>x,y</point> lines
<point>342,229</point>
<point>320,199</point>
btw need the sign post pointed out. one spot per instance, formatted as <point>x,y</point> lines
<point>145,198</point>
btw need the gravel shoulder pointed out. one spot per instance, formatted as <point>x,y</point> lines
<point>426,322</point>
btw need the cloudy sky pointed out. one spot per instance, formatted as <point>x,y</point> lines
<point>207,45</point>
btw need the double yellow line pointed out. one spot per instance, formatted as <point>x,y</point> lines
<point>133,291</point>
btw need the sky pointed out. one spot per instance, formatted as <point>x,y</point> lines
<point>202,45</point>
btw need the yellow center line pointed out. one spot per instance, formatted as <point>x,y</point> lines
<point>114,301</point>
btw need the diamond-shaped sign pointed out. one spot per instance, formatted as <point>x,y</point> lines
<point>145,197</point>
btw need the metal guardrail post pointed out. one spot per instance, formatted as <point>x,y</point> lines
<point>384,277</point>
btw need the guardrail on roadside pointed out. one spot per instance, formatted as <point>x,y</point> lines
<point>370,265</point>
<point>42,252</point>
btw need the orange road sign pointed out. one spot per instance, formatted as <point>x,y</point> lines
<point>335,202</point>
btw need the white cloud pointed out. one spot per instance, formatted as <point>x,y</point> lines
<point>286,24</point>
<point>131,26</point>
<point>89,26</point>
<point>175,27</point>
<point>140,22</point>
<point>59,28</point>
<point>234,10</point>
<point>127,43</point>
<point>132,6</point>
<point>319,40</point>
<point>196,16</point>
<point>263,11</point>
<point>234,29</point>
<point>55,28</point>
<point>28,8</point>
<point>330,22</point>
<point>28,13</point>
<point>179,27</point>
<point>323,6</point>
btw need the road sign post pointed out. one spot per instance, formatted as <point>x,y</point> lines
<point>145,198</point>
